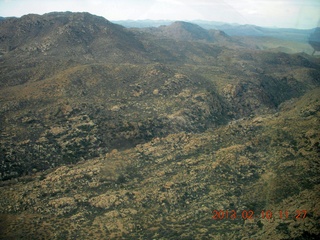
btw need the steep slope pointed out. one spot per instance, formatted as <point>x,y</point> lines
<point>56,33</point>
<point>37,46</point>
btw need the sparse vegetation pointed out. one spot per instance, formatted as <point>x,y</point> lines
<point>111,133</point>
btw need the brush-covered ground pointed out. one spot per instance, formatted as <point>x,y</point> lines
<point>114,133</point>
<point>168,187</point>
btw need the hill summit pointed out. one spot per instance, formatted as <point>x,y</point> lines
<point>80,35</point>
<point>185,31</point>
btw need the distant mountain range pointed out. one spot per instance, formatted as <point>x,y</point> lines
<point>232,29</point>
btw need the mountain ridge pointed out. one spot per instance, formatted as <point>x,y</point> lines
<point>186,31</point>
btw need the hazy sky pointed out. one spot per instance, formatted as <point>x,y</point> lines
<point>279,13</point>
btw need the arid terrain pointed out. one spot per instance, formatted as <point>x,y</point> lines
<point>170,132</point>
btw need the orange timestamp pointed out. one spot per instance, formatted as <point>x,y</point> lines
<point>264,214</point>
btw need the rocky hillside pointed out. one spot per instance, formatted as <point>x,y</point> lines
<point>67,34</point>
<point>169,187</point>
<point>35,47</point>
<point>153,129</point>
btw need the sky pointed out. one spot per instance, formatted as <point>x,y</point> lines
<point>302,14</point>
